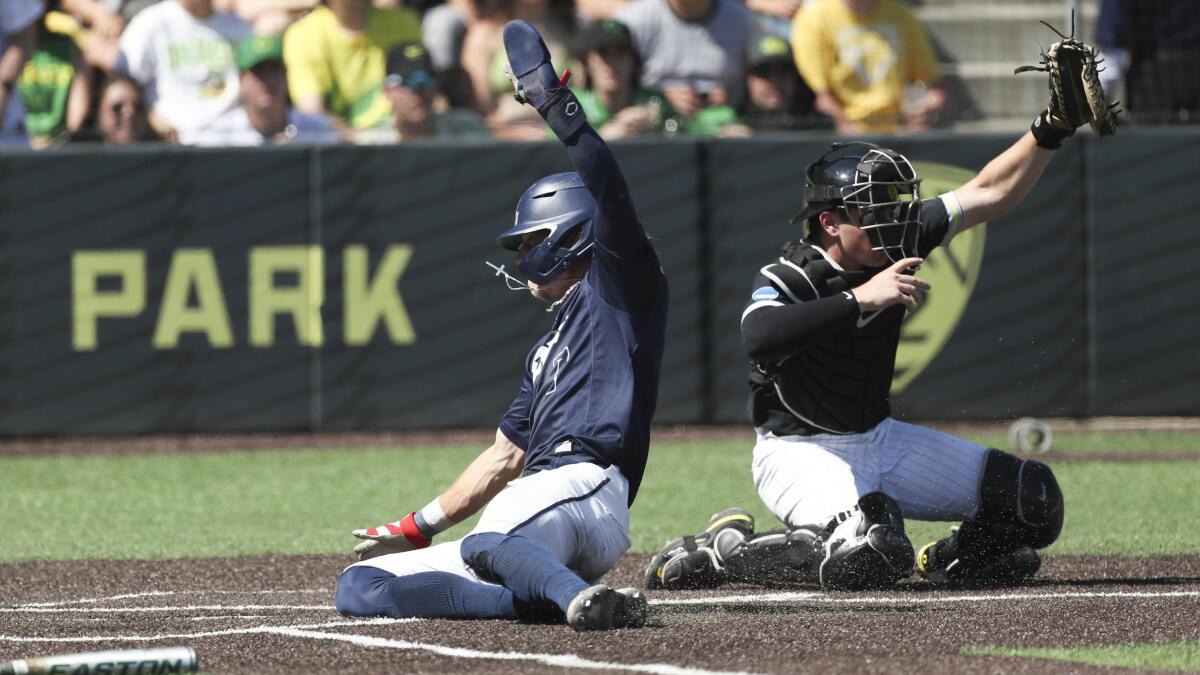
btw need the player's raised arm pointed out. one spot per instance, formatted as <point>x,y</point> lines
<point>483,478</point>
<point>1076,99</point>
<point>616,226</point>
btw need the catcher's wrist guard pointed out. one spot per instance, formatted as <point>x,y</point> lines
<point>536,82</point>
<point>1046,134</point>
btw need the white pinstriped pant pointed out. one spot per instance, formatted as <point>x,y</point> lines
<point>809,479</point>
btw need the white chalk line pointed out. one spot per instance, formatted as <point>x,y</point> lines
<point>152,594</point>
<point>560,660</point>
<point>249,630</point>
<point>913,600</point>
<point>163,608</point>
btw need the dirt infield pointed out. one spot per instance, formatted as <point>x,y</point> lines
<point>274,615</point>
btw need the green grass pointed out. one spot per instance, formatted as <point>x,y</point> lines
<point>1177,656</point>
<point>1108,441</point>
<point>307,501</point>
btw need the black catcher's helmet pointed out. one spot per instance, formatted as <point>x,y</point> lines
<point>877,188</point>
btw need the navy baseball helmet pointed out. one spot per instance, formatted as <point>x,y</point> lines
<point>877,187</point>
<point>561,205</point>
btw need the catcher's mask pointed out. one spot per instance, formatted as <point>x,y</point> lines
<point>878,189</point>
<point>561,205</point>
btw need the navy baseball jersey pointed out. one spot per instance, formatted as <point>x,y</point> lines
<point>591,384</point>
<point>821,366</point>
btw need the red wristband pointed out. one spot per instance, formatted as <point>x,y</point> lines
<point>408,528</point>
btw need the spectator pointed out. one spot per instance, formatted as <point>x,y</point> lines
<point>614,103</point>
<point>484,62</point>
<point>125,9</point>
<point>694,51</point>
<point>18,39</point>
<point>103,20</point>
<point>266,116</point>
<point>335,59</point>
<point>776,97</point>
<point>411,86</point>
<point>1155,45</point>
<point>181,52</point>
<point>858,56</point>
<point>122,116</point>
<point>268,17</point>
<point>55,85</point>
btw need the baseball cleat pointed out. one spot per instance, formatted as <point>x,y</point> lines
<point>602,608</point>
<point>631,610</point>
<point>739,519</point>
<point>1004,569</point>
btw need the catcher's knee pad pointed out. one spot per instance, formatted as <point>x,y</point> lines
<point>1022,496</point>
<point>476,552</point>
<point>867,549</point>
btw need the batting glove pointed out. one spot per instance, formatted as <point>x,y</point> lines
<point>537,84</point>
<point>401,535</point>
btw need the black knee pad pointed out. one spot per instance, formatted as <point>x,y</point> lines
<point>1023,496</point>
<point>476,550</point>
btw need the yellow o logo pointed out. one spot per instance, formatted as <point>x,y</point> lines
<point>951,270</point>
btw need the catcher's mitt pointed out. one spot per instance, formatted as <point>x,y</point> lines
<point>1076,96</point>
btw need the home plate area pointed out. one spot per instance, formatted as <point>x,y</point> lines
<point>275,615</point>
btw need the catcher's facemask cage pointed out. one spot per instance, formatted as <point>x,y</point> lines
<point>880,194</point>
<point>561,205</point>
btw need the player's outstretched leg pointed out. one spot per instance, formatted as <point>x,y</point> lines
<point>370,591</point>
<point>1020,510</point>
<point>537,578</point>
<point>694,561</point>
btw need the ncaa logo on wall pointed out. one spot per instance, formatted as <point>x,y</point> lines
<point>952,272</point>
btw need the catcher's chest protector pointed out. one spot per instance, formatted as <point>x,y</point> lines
<point>840,383</point>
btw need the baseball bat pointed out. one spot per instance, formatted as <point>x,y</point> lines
<point>115,662</point>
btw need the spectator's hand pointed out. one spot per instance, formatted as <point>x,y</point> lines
<point>784,9</point>
<point>100,52</point>
<point>926,112</point>
<point>685,100</point>
<point>633,120</point>
<point>108,25</point>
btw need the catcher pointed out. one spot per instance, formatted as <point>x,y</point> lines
<point>821,328</point>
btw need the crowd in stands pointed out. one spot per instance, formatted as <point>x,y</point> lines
<point>255,72</point>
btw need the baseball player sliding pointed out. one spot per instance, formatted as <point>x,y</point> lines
<point>821,327</point>
<point>571,449</point>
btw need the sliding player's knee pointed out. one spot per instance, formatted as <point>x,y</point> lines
<point>478,551</point>
<point>1024,495</point>
<point>356,588</point>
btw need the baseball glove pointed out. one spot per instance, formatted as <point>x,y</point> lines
<point>1076,96</point>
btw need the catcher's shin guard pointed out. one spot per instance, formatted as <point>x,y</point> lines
<point>868,548</point>
<point>789,557</point>
<point>1021,509</point>
<point>694,561</point>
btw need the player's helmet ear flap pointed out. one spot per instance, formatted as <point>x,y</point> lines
<point>879,188</point>
<point>562,206</point>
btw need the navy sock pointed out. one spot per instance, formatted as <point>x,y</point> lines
<point>533,574</point>
<point>370,591</point>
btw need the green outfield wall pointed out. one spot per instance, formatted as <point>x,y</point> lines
<point>155,290</point>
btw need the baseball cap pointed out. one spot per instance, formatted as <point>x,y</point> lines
<point>255,50</point>
<point>768,49</point>
<point>409,65</point>
<point>603,34</point>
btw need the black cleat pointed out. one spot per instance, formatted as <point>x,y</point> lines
<point>602,608</point>
<point>1004,569</point>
